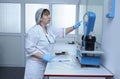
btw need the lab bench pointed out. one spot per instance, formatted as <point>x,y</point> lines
<point>68,67</point>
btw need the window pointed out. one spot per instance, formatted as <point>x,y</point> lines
<point>63,15</point>
<point>10,18</point>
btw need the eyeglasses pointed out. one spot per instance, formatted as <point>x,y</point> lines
<point>50,38</point>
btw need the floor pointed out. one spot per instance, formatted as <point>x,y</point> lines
<point>12,72</point>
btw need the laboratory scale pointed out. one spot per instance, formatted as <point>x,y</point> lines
<point>88,54</point>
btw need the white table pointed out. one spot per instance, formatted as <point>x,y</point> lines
<point>67,66</point>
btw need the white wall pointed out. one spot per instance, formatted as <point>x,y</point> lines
<point>11,51</point>
<point>111,39</point>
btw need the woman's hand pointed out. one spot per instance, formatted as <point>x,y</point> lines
<point>48,57</point>
<point>77,25</point>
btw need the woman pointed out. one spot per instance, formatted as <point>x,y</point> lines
<point>40,41</point>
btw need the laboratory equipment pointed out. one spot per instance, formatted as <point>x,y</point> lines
<point>89,58</point>
<point>88,39</point>
<point>87,54</point>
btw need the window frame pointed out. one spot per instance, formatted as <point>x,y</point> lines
<point>50,3</point>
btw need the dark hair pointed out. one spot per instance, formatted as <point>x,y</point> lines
<point>45,12</point>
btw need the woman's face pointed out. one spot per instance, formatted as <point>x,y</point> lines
<point>45,17</point>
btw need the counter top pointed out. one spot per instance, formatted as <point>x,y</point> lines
<point>68,65</point>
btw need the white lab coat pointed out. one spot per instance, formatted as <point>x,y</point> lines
<point>36,41</point>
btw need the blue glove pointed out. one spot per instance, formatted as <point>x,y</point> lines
<point>77,25</point>
<point>48,57</point>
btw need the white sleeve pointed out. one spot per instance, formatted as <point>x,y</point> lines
<point>57,32</point>
<point>31,43</point>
